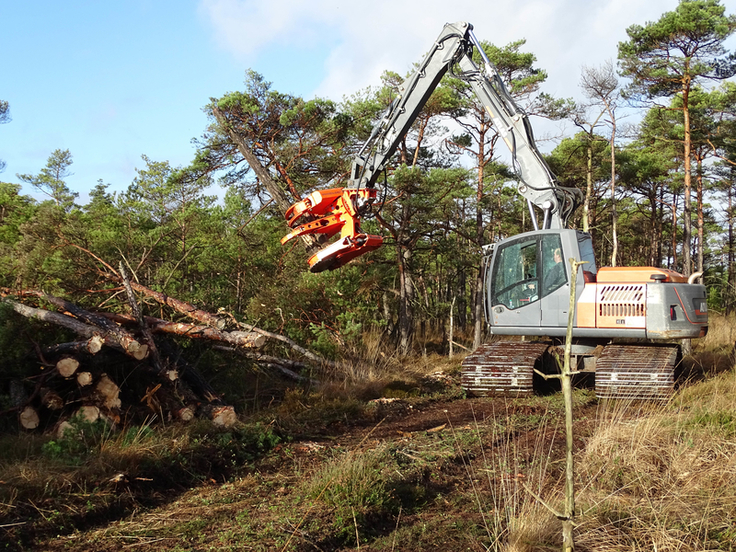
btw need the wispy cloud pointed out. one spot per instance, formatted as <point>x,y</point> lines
<point>370,37</point>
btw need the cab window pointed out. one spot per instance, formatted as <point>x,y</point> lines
<point>553,265</point>
<point>515,281</point>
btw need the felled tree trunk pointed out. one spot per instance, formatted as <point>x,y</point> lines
<point>164,384</point>
<point>182,306</point>
<point>27,415</point>
<point>93,345</point>
<point>109,392</point>
<point>84,379</point>
<point>111,334</point>
<point>223,416</point>
<point>250,340</point>
<point>29,418</point>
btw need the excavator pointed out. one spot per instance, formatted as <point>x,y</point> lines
<point>628,321</point>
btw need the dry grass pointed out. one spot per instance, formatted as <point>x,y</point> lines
<point>513,464</point>
<point>663,478</point>
<point>533,526</point>
<point>94,471</point>
<point>721,333</point>
<point>376,362</point>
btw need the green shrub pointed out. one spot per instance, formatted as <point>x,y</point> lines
<point>80,439</point>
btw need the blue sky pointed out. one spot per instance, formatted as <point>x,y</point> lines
<point>114,80</point>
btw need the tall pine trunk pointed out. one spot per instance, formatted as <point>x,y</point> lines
<point>686,208</point>
<point>478,292</point>
<point>700,215</point>
<point>588,186</point>
<point>731,282</point>
<point>614,216</point>
<point>406,301</point>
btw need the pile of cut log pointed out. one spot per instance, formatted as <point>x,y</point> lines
<point>115,366</point>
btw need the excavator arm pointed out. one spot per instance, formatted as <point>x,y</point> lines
<point>340,209</point>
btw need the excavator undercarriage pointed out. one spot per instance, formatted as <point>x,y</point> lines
<point>622,371</point>
<point>504,368</point>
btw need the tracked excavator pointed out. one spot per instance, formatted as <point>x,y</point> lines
<point>627,320</point>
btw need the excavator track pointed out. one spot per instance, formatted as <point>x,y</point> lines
<point>638,372</point>
<point>503,368</point>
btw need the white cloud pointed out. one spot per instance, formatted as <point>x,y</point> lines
<point>374,36</point>
<point>246,28</point>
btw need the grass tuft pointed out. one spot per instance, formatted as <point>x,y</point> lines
<point>665,478</point>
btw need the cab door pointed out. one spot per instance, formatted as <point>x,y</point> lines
<point>555,298</point>
<point>515,284</point>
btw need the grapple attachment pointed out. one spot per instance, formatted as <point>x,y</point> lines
<point>334,210</point>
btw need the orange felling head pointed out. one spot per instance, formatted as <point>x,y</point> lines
<point>335,211</point>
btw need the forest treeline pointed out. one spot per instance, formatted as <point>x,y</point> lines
<point>657,193</point>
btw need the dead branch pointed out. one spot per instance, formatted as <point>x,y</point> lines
<point>282,365</point>
<point>85,330</point>
<point>157,325</point>
<point>181,306</point>
<point>133,302</point>
<point>112,332</point>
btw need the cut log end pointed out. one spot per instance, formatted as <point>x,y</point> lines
<point>224,416</point>
<point>185,414</point>
<point>89,413</point>
<point>251,340</point>
<point>84,379</point>
<point>67,366</point>
<point>109,391</point>
<point>94,344</point>
<point>138,351</point>
<point>29,418</point>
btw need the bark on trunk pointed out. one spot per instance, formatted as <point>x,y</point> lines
<point>279,196</point>
<point>93,345</point>
<point>112,332</point>
<point>251,340</point>
<point>687,209</point>
<point>700,215</point>
<point>406,302</point>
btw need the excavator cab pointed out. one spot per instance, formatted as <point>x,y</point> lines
<point>528,281</point>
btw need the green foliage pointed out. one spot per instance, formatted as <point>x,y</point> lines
<point>664,57</point>
<point>15,211</point>
<point>80,439</point>
<point>243,444</point>
<point>359,489</point>
<point>50,180</point>
<point>14,349</point>
<point>722,422</point>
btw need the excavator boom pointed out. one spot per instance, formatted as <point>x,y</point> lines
<point>330,211</point>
